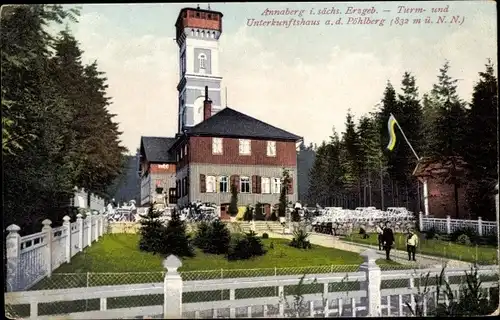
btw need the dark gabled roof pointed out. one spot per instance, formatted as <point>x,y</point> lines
<point>156,149</point>
<point>231,123</point>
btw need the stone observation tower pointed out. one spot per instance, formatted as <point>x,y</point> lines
<point>197,34</point>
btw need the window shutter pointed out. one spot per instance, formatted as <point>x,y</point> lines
<point>237,182</point>
<point>203,183</point>
<point>290,186</point>
<point>187,186</point>
<point>254,184</point>
<point>259,184</point>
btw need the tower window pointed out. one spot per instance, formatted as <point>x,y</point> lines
<point>203,61</point>
<point>197,14</point>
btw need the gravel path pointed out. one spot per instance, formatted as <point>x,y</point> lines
<point>396,255</point>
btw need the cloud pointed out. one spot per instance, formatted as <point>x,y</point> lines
<point>306,98</point>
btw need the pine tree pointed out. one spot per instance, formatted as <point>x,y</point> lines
<point>448,142</point>
<point>233,205</point>
<point>351,164</point>
<point>285,181</point>
<point>318,180</point>
<point>482,124</point>
<point>36,119</point>
<point>334,171</point>
<point>152,231</point>
<point>482,156</point>
<point>176,240</point>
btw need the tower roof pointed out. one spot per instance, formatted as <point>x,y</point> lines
<point>198,19</point>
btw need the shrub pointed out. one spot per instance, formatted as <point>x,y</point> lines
<point>248,216</point>
<point>258,212</point>
<point>463,239</point>
<point>431,234</point>
<point>470,232</point>
<point>299,240</point>
<point>217,238</point>
<point>274,217</point>
<point>265,236</point>
<point>202,236</point>
<point>243,247</point>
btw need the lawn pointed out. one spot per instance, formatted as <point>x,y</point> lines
<point>481,254</point>
<point>116,259</point>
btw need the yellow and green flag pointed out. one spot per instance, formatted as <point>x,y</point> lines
<point>392,133</point>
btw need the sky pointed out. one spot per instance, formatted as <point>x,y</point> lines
<point>302,79</point>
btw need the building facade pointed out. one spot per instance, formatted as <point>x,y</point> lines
<point>157,172</point>
<point>231,148</point>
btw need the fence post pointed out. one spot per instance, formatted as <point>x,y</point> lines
<point>67,224</point>
<point>48,248</point>
<point>13,254</point>
<point>89,224</point>
<point>448,225</point>
<point>101,230</point>
<point>79,223</point>
<point>172,304</point>
<point>480,226</point>
<point>96,231</point>
<point>421,221</point>
<point>373,282</point>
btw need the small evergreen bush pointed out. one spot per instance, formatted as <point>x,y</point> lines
<point>218,238</point>
<point>464,239</point>
<point>248,216</point>
<point>176,241</point>
<point>245,246</point>
<point>152,231</point>
<point>202,236</point>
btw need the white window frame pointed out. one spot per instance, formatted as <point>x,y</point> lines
<point>276,185</point>
<point>247,181</point>
<point>211,184</point>
<point>217,146</point>
<point>202,60</point>
<point>245,147</point>
<point>225,181</point>
<point>263,185</point>
<point>271,148</point>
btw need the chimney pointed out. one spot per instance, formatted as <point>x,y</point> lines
<point>207,106</point>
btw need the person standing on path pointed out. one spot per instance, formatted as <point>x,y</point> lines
<point>388,238</point>
<point>411,245</point>
<point>380,232</point>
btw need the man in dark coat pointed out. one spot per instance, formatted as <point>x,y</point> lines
<point>388,238</point>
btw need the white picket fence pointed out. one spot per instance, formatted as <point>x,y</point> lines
<point>372,297</point>
<point>449,225</point>
<point>35,256</point>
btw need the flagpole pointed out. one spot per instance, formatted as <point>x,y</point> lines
<point>406,139</point>
<point>424,183</point>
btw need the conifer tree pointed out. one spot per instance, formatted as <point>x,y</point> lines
<point>152,231</point>
<point>481,145</point>
<point>285,181</point>
<point>176,240</point>
<point>233,205</point>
